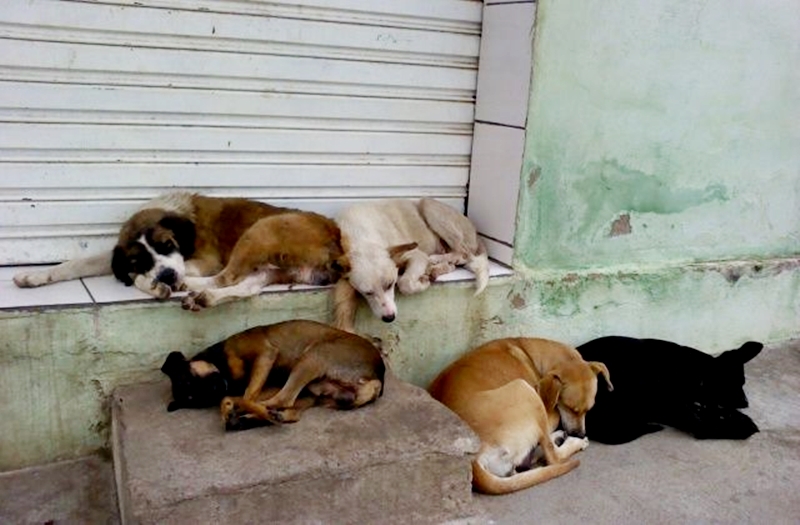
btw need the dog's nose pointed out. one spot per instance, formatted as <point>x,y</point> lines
<point>388,318</point>
<point>167,276</point>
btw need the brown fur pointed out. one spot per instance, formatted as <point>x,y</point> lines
<point>338,368</point>
<point>233,237</point>
<point>513,393</point>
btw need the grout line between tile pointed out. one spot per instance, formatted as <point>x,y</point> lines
<point>85,287</point>
<point>504,243</point>
<point>489,123</point>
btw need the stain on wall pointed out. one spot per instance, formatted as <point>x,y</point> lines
<point>682,116</point>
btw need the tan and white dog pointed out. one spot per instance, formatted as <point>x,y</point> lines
<point>219,248</point>
<point>402,243</point>
<point>513,393</point>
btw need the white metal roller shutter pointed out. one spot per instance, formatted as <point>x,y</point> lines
<point>306,103</point>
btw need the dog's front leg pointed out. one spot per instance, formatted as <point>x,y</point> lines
<point>247,287</point>
<point>157,289</point>
<point>261,369</point>
<point>415,278</point>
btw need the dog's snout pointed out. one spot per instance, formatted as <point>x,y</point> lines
<point>577,433</point>
<point>388,318</point>
<point>167,276</point>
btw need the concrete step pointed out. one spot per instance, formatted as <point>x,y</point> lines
<point>403,459</point>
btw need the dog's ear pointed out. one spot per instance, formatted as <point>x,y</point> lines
<point>743,354</point>
<point>599,368</point>
<point>341,265</point>
<point>175,361</point>
<point>120,266</point>
<point>550,390</point>
<point>398,251</point>
<point>183,232</point>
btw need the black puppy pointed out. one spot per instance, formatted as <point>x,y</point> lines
<point>662,383</point>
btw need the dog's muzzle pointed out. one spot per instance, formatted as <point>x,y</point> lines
<point>167,276</point>
<point>388,318</point>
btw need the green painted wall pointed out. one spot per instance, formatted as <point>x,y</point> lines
<point>662,132</point>
<point>671,125</point>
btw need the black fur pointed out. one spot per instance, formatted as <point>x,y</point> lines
<point>662,383</point>
<point>135,260</point>
<point>184,232</point>
<point>192,391</point>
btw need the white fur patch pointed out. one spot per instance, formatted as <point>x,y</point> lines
<point>173,261</point>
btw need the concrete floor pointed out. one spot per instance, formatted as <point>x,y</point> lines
<point>665,477</point>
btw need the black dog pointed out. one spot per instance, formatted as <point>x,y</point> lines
<point>662,383</point>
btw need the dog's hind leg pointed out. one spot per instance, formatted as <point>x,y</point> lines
<point>460,235</point>
<point>307,369</point>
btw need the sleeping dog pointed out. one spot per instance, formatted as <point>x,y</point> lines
<point>336,368</point>
<point>662,383</point>
<point>402,243</point>
<point>514,393</point>
<point>219,248</point>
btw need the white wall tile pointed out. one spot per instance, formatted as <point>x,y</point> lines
<point>58,294</point>
<point>505,63</point>
<point>494,180</point>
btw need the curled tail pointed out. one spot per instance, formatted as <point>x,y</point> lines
<point>460,235</point>
<point>488,483</point>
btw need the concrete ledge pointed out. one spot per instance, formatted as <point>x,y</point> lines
<point>404,459</point>
<point>59,365</point>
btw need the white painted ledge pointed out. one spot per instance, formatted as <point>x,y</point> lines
<point>107,290</point>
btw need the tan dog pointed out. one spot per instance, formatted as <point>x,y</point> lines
<point>513,393</point>
<point>405,244</point>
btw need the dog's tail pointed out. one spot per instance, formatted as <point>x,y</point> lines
<point>460,235</point>
<point>488,483</point>
<point>479,265</point>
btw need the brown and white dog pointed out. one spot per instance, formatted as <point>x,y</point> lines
<point>513,393</point>
<point>219,248</point>
<point>403,243</point>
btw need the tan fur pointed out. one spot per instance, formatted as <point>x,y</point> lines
<point>344,368</point>
<point>292,247</point>
<point>513,393</point>
<point>404,244</point>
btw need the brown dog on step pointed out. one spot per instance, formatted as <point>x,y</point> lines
<point>338,369</point>
<point>513,393</point>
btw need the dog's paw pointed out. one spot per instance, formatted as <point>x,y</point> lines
<point>283,415</point>
<point>437,270</point>
<point>31,279</point>
<point>194,301</point>
<point>160,290</point>
<point>558,437</point>
<point>576,443</point>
